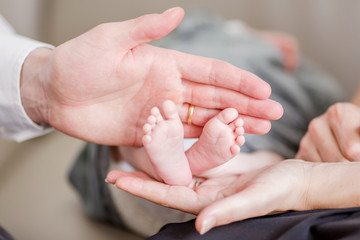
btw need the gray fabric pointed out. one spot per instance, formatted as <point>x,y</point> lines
<point>5,235</point>
<point>304,95</point>
<point>88,178</point>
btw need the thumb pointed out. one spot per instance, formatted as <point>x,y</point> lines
<point>243,205</point>
<point>151,27</point>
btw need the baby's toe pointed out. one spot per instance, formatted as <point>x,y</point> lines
<point>156,113</point>
<point>239,122</point>
<point>240,140</point>
<point>227,115</point>
<point>147,128</point>
<point>234,149</point>
<point>146,139</point>
<point>170,111</point>
<point>151,120</point>
<point>239,131</point>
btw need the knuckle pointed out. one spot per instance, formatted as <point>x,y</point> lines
<point>299,155</point>
<point>303,145</point>
<point>303,148</point>
<point>352,151</point>
<point>313,127</point>
<point>336,110</point>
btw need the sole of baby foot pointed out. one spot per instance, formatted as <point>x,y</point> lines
<point>220,140</point>
<point>163,142</point>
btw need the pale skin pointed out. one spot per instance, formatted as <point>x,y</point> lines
<point>219,144</point>
<point>283,186</point>
<point>287,185</point>
<point>191,161</point>
<point>239,164</point>
<point>163,138</point>
<point>100,86</point>
<point>227,196</point>
<point>299,185</point>
<point>166,157</point>
<point>335,135</point>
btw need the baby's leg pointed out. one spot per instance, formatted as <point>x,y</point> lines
<point>220,141</point>
<point>138,159</point>
<point>163,142</point>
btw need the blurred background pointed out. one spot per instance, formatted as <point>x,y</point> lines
<point>35,199</point>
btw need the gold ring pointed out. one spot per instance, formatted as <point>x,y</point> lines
<point>190,113</point>
<point>197,183</point>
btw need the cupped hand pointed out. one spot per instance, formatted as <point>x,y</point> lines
<point>100,86</point>
<point>334,136</point>
<point>222,200</point>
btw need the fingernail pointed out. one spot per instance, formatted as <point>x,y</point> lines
<point>106,180</point>
<point>208,224</point>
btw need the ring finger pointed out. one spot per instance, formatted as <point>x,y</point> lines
<point>201,115</point>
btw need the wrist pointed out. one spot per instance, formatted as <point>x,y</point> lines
<point>306,186</point>
<point>302,187</point>
<point>334,185</point>
<point>33,80</point>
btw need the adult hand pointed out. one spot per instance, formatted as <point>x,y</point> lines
<point>222,200</point>
<point>334,136</point>
<point>100,86</point>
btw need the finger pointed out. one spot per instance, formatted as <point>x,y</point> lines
<point>252,125</point>
<point>307,150</point>
<point>219,73</point>
<point>200,115</point>
<point>141,185</point>
<point>323,140</point>
<point>213,97</point>
<point>346,131</point>
<point>191,131</point>
<point>350,145</point>
<point>233,208</point>
<point>114,175</point>
<point>143,29</point>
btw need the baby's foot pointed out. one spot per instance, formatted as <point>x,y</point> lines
<point>163,142</point>
<point>220,141</point>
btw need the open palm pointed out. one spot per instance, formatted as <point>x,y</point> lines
<point>273,188</point>
<point>104,83</point>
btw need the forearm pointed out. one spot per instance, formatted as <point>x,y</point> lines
<point>333,185</point>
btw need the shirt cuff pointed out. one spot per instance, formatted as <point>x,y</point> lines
<point>15,124</point>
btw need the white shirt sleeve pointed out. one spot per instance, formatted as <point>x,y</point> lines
<point>14,122</point>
